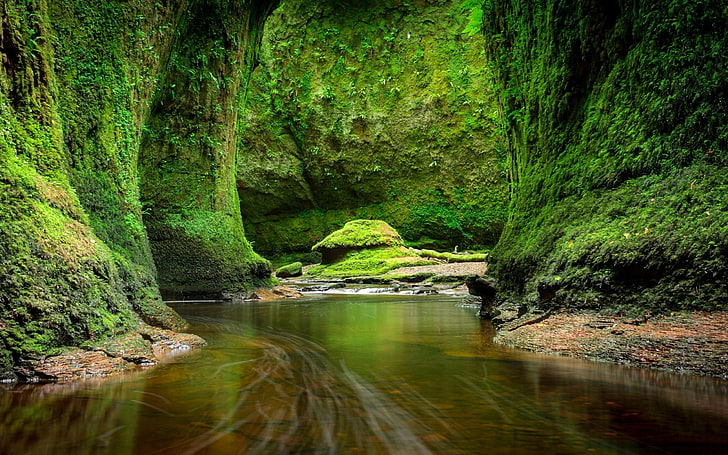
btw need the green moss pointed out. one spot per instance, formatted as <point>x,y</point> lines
<point>188,153</point>
<point>293,269</point>
<point>373,262</point>
<point>454,257</point>
<point>385,112</point>
<point>618,152</point>
<point>361,234</point>
<point>212,268</point>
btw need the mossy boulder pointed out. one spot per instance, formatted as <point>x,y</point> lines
<point>290,270</point>
<point>354,236</point>
<point>363,248</point>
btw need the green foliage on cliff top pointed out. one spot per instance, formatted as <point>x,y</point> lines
<point>361,234</point>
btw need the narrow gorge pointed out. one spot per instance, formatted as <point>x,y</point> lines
<point>174,148</point>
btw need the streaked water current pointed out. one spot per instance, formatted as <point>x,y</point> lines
<point>365,374</point>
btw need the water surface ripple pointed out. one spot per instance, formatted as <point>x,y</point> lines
<point>374,374</point>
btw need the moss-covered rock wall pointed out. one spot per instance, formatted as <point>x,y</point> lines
<point>77,80</point>
<point>192,211</point>
<point>617,113</point>
<point>381,110</point>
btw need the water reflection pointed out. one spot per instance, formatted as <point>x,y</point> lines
<point>365,374</point>
<point>293,399</point>
<point>54,419</point>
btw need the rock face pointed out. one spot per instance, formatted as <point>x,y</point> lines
<point>80,83</point>
<point>354,236</point>
<point>290,270</point>
<point>617,114</point>
<point>384,111</point>
<point>188,153</point>
<point>483,287</point>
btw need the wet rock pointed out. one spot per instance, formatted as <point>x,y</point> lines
<point>483,287</point>
<point>693,342</point>
<point>323,287</point>
<point>505,313</point>
<point>415,277</point>
<point>452,279</point>
<point>141,348</point>
<point>471,301</point>
<point>368,280</point>
<point>277,292</point>
<point>424,290</point>
<point>290,270</point>
<point>132,347</point>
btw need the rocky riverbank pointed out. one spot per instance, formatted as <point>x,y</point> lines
<point>140,349</point>
<point>689,342</point>
<point>143,348</point>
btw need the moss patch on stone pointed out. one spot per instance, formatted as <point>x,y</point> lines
<point>356,235</point>
<point>365,263</point>
<point>290,270</point>
<point>361,234</point>
<point>454,257</point>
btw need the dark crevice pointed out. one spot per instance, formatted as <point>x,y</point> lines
<point>10,58</point>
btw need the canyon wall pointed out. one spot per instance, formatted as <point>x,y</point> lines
<point>81,84</point>
<point>379,109</point>
<point>617,116</point>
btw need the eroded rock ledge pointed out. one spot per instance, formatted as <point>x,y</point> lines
<point>690,342</point>
<point>132,351</point>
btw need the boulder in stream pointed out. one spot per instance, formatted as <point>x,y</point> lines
<point>357,235</point>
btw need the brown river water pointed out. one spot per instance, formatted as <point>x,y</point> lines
<point>365,374</point>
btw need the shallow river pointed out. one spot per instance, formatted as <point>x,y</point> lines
<point>363,375</point>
